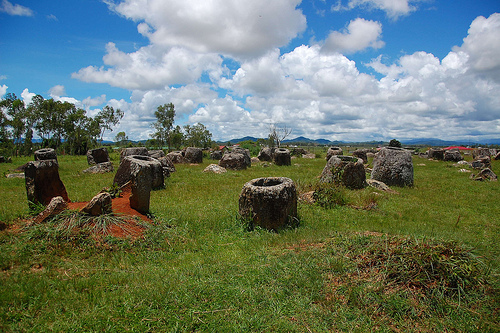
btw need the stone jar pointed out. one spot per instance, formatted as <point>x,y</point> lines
<point>233,161</point>
<point>282,156</point>
<point>393,166</point>
<point>45,154</point>
<point>129,167</point>
<point>194,155</point>
<point>96,156</point>
<point>348,171</point>
<point>333,151</point>
<point>145,173</point>
<point>270,203</point>
<point>43,182</point>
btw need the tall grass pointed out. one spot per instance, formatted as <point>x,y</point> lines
<point>198,269</point>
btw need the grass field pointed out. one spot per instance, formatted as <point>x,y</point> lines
<point>424,260</point>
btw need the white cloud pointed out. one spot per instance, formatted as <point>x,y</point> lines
<point>359,35</point>
<point>393,8</point>
<point>482,45</point>
<point>150,67</point>
<point>57,90</point>
<point>96,101</point>
<point>315,90</point>
<point>27,96</point>
<point>3,90</point>
<point>230,27</point>
<point>15,9</point>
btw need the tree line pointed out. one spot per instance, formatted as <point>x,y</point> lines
<point>170,136</point>
<point>59,125</point>
<point>64,127</point>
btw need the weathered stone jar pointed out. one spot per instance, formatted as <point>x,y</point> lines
<point>145,173</point>
<point>333,151</point>
<point>45,154</point>
<point>270,203</point>
<point>98,155</point>
<point>282,156</point>
<point>345,170</point>
<point>43,182</point>
<point>393,166</point>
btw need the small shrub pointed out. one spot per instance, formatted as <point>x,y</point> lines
<point>330,195</point>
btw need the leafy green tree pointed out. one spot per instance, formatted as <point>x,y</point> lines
<point>108,117</point>
<point>164,124</point>
<point>197,136</point>
<point>177,137</point>
<point>395,143</point>
<point>121,138</point>
<point>80,132</point>
<point>16,112</point>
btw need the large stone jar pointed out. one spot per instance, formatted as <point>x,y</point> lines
<point>333,151</point>
<point>270,203</point>
<point>194,155</point>
<point>143,151</point>
<point>43,182</point>
<point>266,154</point>
<point>393,166</point>
<point>45,154</point>
<point>345,170</point>
<point>96,156</point>
<point>144,173</point>
<point>233,161</point>
<point>282,156</point>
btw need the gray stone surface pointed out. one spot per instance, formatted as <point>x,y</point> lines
<point>348,171</point>
<point>194,155</point>
<point>96,156</point>
<point>333,151</point>
<point>43,182</point>
<point>282,157</point>
<point>233,161</point>
<point>99,205</point>
<point>45,154</point>
<point>270,203</point>
<point>393,166</point>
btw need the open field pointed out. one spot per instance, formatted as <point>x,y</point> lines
<point>198,269</point>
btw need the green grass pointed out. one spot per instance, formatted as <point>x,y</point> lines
<point>426,259</point>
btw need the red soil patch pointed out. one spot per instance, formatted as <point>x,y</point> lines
<point>121,206</point>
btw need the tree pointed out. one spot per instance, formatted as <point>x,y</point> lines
<point>80,132</point>
<point>395,143</point>
<point>165,115</point>
<point>177,137</point>
<point>198,136</point>
<point>121,138</point>
<point>108,117</point>
<point>16,112</point>
<point>277,135</point>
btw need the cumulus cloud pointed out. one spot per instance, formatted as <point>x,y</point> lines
<point>15,9</point>
<point>229,27</point>
<point>482,46</point>
<point>313,89</point>
<point>27,96</point>
<point>393,8</point>
<point>3,90</point>
<point>150,67</point>
<point>359,35</point>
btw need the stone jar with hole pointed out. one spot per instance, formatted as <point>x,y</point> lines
<point>270,202</point>
<point>348,171</point>
<point>282,156</point>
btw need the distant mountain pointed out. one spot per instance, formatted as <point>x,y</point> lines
<point>411,142</point>
<point>439,142</point>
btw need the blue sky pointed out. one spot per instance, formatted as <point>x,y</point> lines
<point>351,70</point>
